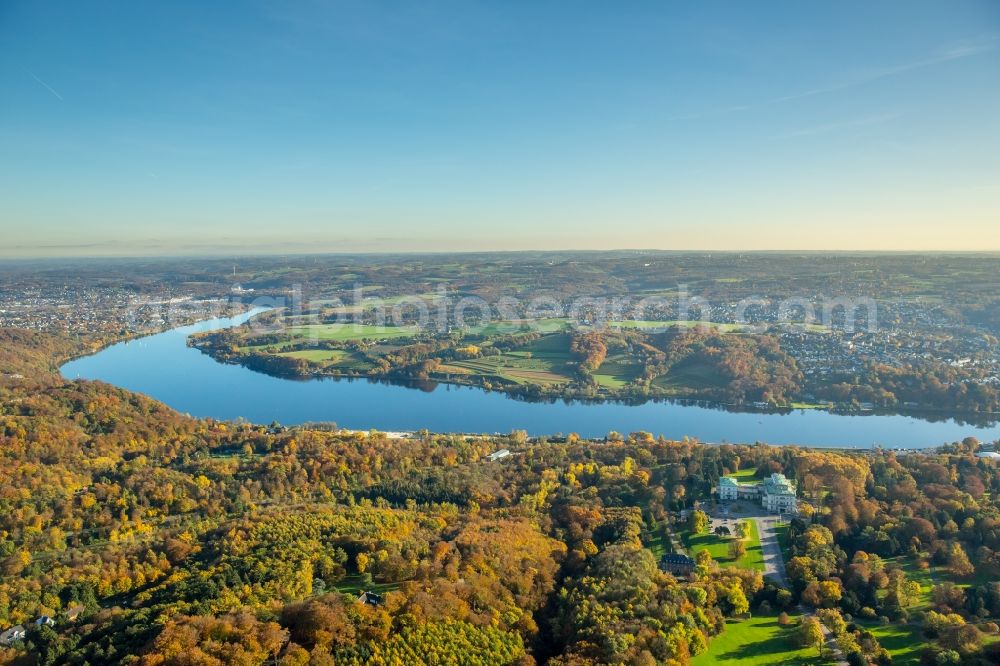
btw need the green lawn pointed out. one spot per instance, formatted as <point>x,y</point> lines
<point>903,641</point>
<point>690,374</point>
<point>781,531</point>
<point>552,345</point>
<point>718,547</point>
<point>317,355</point>
<point>616,373</point>
<point>518,369</point>
<point>759,641</point>
<point>547,325</point>
<point>265,348</point>
<point>656,541</point>
<point>934,575</point>
<point>543,362</point>
<point>754,559</point>
<point>348,331</point>
<point>926,577</point>
<point>355,585</point>
<point>745,475</point>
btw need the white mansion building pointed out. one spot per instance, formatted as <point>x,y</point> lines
<point>775,493</point>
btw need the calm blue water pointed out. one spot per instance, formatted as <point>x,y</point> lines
<point>164,367</point>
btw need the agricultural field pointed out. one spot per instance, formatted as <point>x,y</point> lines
<point>519,370</point>
<point>546,325</point>
<point>266,348</point>
<point>351,331</point>
<point>544,362</point>
<point>638,352</point>
<point>316,355</point>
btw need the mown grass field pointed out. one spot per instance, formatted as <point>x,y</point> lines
<point>935,575</point>
<point>547,325</point>
<point>745,475</point>
<point>903,641</point>
<point>759,641</point>
<point>519,369</point>
<point>316,355</point>
<point>718,548</point>
<point>617,372</point>
<point>754,559</point>
<point>544,362</point>
<point>266,348</point>
<point>690,375</point>
<point>344,332</point>
<point>925,577</point>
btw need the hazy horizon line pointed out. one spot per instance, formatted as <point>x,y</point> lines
<point>221,253</point>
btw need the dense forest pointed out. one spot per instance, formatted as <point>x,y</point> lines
<point>150,537</point>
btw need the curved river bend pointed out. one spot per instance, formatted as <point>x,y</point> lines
<point>165,368</point>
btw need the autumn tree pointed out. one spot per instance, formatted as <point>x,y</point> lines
<point>698,522</point>
<point>958,561</point>
<point>809,633</point>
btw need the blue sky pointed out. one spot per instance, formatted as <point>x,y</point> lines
<point>191,127</point>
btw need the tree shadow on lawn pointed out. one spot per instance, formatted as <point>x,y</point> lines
<point>778,644</point>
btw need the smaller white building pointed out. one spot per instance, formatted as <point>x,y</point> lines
<point>731,490</point>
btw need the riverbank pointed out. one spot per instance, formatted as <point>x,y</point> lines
<point>274,366</point>
<point>163,367</point>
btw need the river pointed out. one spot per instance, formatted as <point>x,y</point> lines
<point>163,367</point>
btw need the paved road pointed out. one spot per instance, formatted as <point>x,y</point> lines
<point>832,647</point>
<point>774,563</point>
<point>829,638</point>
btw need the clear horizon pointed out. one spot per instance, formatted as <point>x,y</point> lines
<point>191,130</point>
